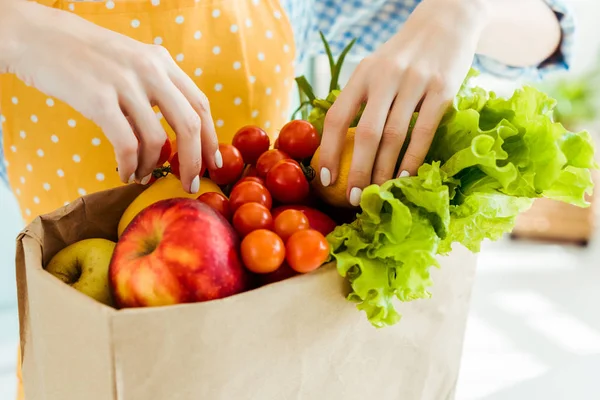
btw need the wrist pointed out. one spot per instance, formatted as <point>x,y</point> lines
<point>11,35</point>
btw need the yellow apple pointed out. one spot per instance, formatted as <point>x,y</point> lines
<point>84,266</point>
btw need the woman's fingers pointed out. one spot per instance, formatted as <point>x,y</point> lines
<point>186,123</point>
<point>120,134</point>
<point>199,102</point>
<point>149,132</point>
<point>366,142</point>
<point>338,119</point>
<point>432,110</point>
<point>395,131</point>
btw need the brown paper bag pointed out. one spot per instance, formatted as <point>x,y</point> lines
<point>296,339</point>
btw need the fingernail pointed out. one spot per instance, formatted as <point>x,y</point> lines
<point>325,177</point>
<point>218,159</point>
<point>195,186</point>
<point>131,178</point>
<point>355,195</point>
<point>146,179</point>
<point>404,174</point>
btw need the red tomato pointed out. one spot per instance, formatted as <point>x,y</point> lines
<point>251,141</point>
<point>165,153</point>
<point>250,217</point>
<point>174,164</point>
<point>306,250</point>
<point>233,165</point>
<point>249,192</point>
<point>318,221</point>
<point>218,202</point>
<point>289,222</point>
<point>268,159</point>
<point>262,251</point>
<point>299,139</point>
<point>286,182</point>
<point>250,179</point>
<point>276,144</point>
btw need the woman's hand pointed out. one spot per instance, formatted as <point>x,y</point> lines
<point>114,81</point>
<point>425,63</point>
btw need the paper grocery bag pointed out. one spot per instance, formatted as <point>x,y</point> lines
<point>295,339</point>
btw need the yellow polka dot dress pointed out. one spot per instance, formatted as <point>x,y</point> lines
<point>239,52</point>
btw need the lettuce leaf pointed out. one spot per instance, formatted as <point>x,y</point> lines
<point>491,157</point>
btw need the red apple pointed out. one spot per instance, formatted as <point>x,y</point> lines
<point>176,251</point>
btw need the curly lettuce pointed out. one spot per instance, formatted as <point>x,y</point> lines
<point>491,157</point>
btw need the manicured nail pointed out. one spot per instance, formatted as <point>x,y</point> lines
<point>325,177</point>
<point>131,178</point>
<point>218,159</point>
<point>146,179</point>
<point>404,174</point>
<point>195,186</point>
<point>355,195</point>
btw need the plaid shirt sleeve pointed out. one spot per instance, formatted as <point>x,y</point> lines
<point>373,22</point>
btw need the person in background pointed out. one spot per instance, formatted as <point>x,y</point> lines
<point>89,85</point>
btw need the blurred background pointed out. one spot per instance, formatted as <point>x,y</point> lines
<point>534,327</point>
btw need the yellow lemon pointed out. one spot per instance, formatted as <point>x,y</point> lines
<point>335,194</point>
<point>168,187</point>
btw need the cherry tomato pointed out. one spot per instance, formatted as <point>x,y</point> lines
<point>233,165</point>
<point>174,164</point>
<point>299,139</point>
<point>317,219</point>
<point>165,153</point>
<point>286,182</point>
<point>249,192</point>
<point>250,217</point>
<point>250,179</point>
<point>268,159</point>
<point>289,222</point>
<point>306,250</point>
<point>262,251</point>
<point>251,141</point>
<point>276,144</point>
<point>217,202</point>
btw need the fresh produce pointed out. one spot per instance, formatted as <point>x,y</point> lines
<point>251,141</point>
<point>250,217</point>
<point>250,192</point>
<point>317,219</point>
<point>167,187</point>
<point>306,250</point>
<point>176,251</point>
<point>250,171</point>
<point>250,179</point>
<point>217,202</point>
<point>289,222</point>
<point>267,160</point>
<point>233,166</point>
<point>84,266</point>
<point>262,251</point>
<point>335,194</point>
<point>299,139</point>
<point>165,153</point>
<point>286,182</point>
<point>490,159</point>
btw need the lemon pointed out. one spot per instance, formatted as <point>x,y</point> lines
<point>335,194</point>
<point>168,187</point>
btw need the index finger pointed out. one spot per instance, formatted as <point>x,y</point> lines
<point>186,123</point>
<point>338,119</point>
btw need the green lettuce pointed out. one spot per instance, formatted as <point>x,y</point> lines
<point>490,159</point>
